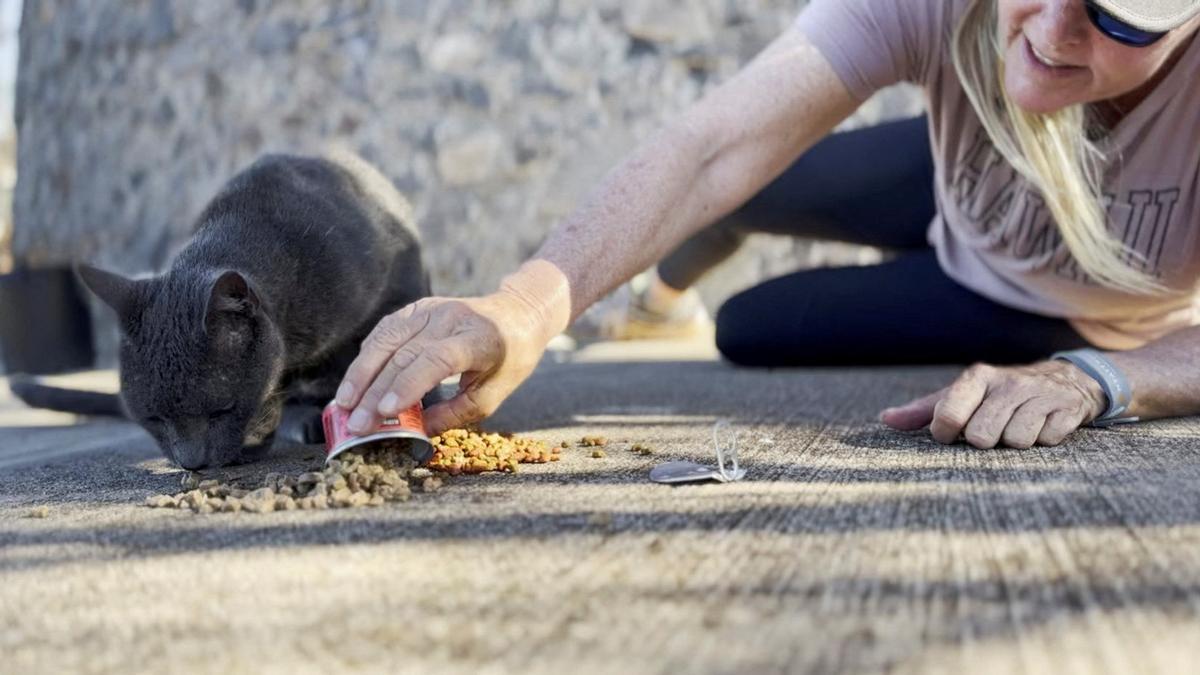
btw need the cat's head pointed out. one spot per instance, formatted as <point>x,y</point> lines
<point>200,362</point>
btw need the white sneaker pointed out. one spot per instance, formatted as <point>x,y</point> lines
<point>625,316</point>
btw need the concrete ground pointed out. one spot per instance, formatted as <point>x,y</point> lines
<point>848,547</point>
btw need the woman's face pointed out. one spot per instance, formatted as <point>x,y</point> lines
<point>1055,57</point>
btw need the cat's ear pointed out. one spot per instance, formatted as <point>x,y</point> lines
<point>230,297</point>
<point>115,290</point>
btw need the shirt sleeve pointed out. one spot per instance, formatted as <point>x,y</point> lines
<point>872,44</point>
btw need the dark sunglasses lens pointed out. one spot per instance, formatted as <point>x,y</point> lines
<point>1119,30</point>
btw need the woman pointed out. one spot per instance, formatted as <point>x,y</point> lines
<point>1064,141</point>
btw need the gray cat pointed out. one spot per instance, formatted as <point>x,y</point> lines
<point>290,267</point>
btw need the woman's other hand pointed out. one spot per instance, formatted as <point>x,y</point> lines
<point>1017,406</point>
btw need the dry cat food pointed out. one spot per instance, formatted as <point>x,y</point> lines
<point>593,441</point>
<point>381,474</point>
<point>642,450</point>
<point>599,454</point>
<point>460,451</point>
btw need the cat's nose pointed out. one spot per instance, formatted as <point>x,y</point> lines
<point>191,457</point>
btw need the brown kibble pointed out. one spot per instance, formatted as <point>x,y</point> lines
<point>259,505</point>
<point>192,499</point>
<point>599,454</point>
<point>467,451</point>
<point>39,512</point>
<point>263,493</point>
<point>161,502</point>
<point>643,450</point>
<point>374,477</point>
<point>593,441</point>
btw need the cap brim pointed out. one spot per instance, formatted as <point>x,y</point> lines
<point>1152,15</point>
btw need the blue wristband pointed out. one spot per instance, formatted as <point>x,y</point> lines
<point>1114,383</point>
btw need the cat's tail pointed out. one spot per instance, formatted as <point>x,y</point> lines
<point>38,395</point>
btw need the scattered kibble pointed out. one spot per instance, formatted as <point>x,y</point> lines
<point>377,476</point>
<point>459,451</point>
<point>383,473</point>
<point>40,512</point>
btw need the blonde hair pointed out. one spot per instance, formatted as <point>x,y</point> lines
<point>1052,151</point>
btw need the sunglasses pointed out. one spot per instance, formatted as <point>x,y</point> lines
<point>1118,30</point>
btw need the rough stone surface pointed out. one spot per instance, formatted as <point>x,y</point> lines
<point>494,118</point>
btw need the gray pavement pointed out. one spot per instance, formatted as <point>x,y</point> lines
<point>848,548</point>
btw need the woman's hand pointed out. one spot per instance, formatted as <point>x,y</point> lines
<point>493,341</point>
<point>1014,406</point>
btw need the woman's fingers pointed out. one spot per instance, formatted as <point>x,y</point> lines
<point>1027,422</point>
<point>962,399</point>
<point>391,333</point>
<point>1059,425</point>
<point>915,414</point>
<point>468,407</point>
<point>1018,406</point>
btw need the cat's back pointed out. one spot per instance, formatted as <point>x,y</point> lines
<point>308,201</point>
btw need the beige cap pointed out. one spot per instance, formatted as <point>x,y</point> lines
<point>1152,15</point>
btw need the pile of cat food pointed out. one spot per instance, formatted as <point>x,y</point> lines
<point>380,475</point>
<point>460,451</point>
<point>383,473</point>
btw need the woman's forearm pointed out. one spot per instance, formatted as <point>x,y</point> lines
<point>1164,375</point>
<point>717,155</point>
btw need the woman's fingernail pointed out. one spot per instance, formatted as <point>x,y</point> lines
<point>344,393</point>
<point>358,421</point>
<point>388,405</point>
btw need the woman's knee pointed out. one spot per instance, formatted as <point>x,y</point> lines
<point>744,335</point>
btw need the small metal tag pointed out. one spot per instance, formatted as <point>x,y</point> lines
<point>691,472</point>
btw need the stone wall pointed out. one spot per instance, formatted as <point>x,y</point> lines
<point>494,117</point>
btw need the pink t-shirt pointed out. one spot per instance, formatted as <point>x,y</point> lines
<point>993,233</point>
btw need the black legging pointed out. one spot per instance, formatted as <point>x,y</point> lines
<point>874,187</point>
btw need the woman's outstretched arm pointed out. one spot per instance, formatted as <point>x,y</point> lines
<point>700,167</point>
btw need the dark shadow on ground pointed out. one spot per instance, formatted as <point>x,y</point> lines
<point>975,510</point>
